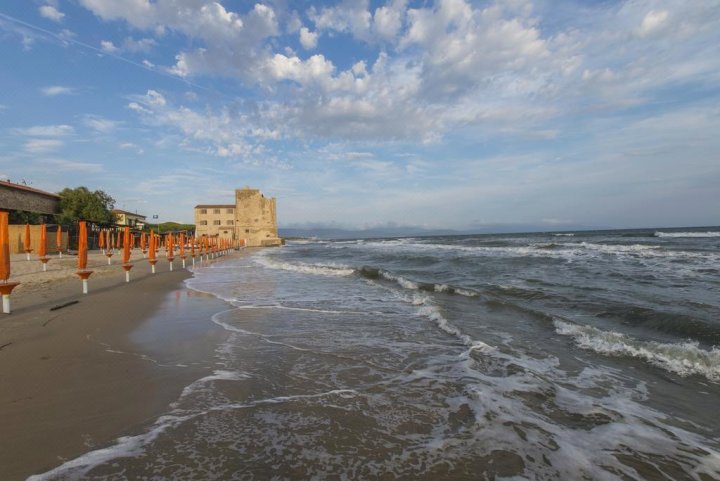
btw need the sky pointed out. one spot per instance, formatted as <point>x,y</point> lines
<point>438,113</point>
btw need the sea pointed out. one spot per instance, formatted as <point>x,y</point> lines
<point>543,356</point>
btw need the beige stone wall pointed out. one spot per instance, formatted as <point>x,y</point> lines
<point>252,219</point>
<point>16,234</point>
<point>255,218</point>
<point>212,220</point>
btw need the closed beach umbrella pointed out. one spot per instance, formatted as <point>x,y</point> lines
<point>58,238</point>
<point>4,247</point>
<point>182,244</point>
<point>82,272</point>
<point>143,241</point>
<point>5,287</point>
<point>118,243</point>
<point>101,240</point>
<point>152,246</point>
<point>43,241</point>
<point>192,246</point>
<point>42,251</point>
<point>82,246</point>
<point>126,245</point>
<point>127,241</point>
<point>26,241</point>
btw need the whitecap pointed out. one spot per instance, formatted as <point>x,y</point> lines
<point>316,269</point>
<point>684,359</point>
<point>688,234</point>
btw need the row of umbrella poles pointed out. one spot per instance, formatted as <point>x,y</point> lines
<point>42,249</point>
<point>108,242</point>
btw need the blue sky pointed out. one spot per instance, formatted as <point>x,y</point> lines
<point>446,113</point>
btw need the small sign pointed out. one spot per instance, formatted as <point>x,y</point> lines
<point>155,216</point>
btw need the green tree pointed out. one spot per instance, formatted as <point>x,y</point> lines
<point>175,226</point>
<point>82,204</point>
<point>24,217</point>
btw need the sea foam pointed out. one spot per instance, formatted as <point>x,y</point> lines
<point>687,234</point>
<point>684,359</point>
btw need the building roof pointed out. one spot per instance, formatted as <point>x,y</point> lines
<point>11,185</point>
<point>215,206</point>
<point>120,211</point>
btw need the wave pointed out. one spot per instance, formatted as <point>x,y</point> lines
<point>568,251</point>
<point>133,446</point>
<point>564,235</point>
<point>377,273</point>
<point>318,269</point>
<point>684,359</point>
<point>688,234</point>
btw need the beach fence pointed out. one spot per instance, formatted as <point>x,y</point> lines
<point>16,234</point>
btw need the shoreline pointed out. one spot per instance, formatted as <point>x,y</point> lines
<point>76,378</point>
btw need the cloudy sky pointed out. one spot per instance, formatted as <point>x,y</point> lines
<point>435,113</point>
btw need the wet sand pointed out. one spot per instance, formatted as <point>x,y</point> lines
<point>77,377</point>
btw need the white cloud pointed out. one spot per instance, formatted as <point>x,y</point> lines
<point>387,20</point>
<point>653,22</point>
<point>130,146</point>
<point>496,67</point>
<point>47,131</point>
<point>51,12</point>
<point>350,16</point>
<point>222,134</point>
<point>129,44</point>
<point>100,124</point>
<point>36,146</point>
<point>108,46</point>
<point>308,39</point>
<point>62,165</point>
<point>155,99</point>
<point>53,90</point>
<point>138,45</point>
<point>221,31</point>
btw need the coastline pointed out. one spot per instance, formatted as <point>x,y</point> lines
<point>78,377</point>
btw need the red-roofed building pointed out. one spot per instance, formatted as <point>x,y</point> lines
<point>23,198</point>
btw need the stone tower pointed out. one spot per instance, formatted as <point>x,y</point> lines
<point>255,218</point>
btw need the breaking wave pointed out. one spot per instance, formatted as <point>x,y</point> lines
<point>377,273</point>
<point>687,234</point>
<point>684,359</point>
<point>318,269</point>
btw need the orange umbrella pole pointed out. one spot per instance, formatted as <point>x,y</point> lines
<point>181,241</point>
<point>192,250</point>
<point>109,243</point>
<point>126,254</point>
<point>58,240</point>
<point>26,241</point>
<point>170,255</point>
<point>5,286</point>
<point>143,244</point>
<point>101,241</point>
<point>82,272</point>
<point>153,259</point>
<point>42,252</point>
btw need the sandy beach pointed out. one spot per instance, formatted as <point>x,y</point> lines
<point>79,376</point>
